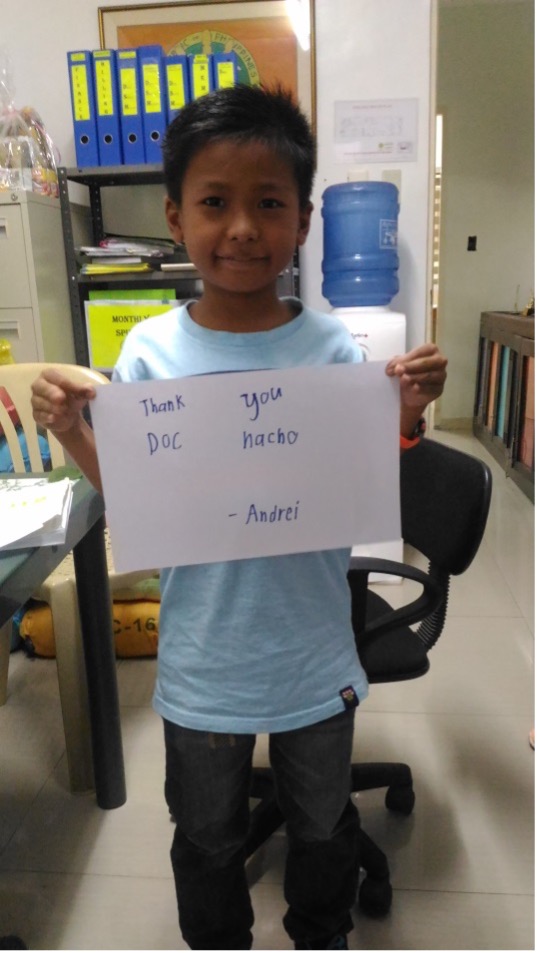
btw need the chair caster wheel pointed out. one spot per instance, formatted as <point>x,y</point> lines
<point>375,897</point>
<point>400,799</point>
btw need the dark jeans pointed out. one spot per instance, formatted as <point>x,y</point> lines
<point>207,791</point>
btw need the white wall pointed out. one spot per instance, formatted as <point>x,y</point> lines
<point>377,49</point>
<point>485,91</point>
<point>366,49</point>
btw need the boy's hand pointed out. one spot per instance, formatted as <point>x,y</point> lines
<point>422,374</point>
<point>57,401</point>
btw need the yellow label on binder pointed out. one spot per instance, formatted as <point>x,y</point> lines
<point>103,87</point>
<point>176,85</point>
<point>200,75</point>
<point>81,106</point>
<point>129,93</point>
<point>151,86</point>
<point>226,75</point>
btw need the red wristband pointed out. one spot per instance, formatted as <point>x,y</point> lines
<point>406,444</point>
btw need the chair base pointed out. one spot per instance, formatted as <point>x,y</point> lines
<point>375,893</point>
<point>397,778</point>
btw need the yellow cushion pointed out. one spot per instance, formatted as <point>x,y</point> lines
<point>135,628</point>
<point>37,631</point>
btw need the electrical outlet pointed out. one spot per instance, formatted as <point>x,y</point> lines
<point>393,176</point>
<point>357,175</point>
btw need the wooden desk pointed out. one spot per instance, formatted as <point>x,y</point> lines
<point>22,571</point>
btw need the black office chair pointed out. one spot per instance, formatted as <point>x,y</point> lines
<point>445,499</point>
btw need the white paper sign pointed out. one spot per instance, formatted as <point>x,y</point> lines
<point>232,466</point>
<point>378,130</point>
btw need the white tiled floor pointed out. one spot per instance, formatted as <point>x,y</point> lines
<point>75,877</point>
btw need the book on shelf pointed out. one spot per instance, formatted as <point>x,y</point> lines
<point>123,255</point>
<point>126,246</point>
<point>111,260</point>
<point>105,268</point>
<point>132,296</point>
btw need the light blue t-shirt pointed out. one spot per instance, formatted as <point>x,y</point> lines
<point>253,645</point>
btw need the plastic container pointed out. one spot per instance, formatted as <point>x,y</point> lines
<point>45,179</point>
<point>23,162</point>
<point>27,160</point>
<point>360,260</point>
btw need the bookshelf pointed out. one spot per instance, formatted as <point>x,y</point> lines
<point>504,411</point>
<point>95,180</point>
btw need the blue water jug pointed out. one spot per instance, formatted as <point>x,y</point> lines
<point>360,244</point>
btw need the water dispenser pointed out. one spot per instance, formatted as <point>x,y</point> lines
<point>360,265</point>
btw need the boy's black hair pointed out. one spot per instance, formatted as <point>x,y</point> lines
<point>241,114</point>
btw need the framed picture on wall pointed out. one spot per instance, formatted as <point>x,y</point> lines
<point>273,39</point>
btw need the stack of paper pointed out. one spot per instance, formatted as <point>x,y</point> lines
<point>34,512</point>
<point>123,255</point>
<point>149,248</point>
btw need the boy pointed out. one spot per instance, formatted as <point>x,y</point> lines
<point>259,645</point>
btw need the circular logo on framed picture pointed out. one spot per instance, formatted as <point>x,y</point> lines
<point>214,41</point>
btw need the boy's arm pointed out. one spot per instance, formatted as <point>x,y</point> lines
<point>57,404</point>
<point>422,374</point>
<point>79,442</point>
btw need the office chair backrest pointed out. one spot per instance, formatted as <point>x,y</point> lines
<point>17,380</point>
<point>445,499</point>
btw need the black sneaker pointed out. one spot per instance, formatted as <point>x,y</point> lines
<point>338,942</point>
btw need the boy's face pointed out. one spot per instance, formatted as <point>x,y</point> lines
<point>239,216</point>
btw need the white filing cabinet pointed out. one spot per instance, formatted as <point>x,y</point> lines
<point>35,313</point>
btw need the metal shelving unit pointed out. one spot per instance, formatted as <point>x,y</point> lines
<point>95,179</point>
